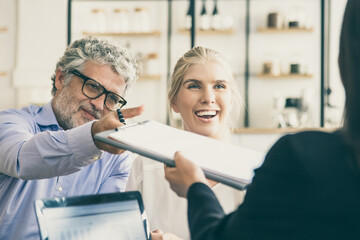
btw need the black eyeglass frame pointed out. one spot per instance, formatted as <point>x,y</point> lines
<point>86,78</point>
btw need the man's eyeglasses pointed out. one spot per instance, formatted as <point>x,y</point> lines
<point>92,89</point>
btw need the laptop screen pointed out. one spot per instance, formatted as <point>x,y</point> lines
<point>106,216</point>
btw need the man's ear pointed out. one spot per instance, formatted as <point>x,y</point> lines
<point>59,79</point>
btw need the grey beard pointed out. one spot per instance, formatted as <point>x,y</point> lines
<point>66,106</point>
<point>64,110</point>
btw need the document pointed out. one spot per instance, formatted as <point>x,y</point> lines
<point>223,162</point>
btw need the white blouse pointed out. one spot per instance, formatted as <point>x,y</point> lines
<point>165,210</point>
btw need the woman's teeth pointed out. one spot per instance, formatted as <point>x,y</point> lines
<point>206,114</point>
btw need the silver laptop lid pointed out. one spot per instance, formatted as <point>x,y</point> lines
<point>104,216</point>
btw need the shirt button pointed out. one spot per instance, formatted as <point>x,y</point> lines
<point>96,158</point>
<point>60,189</point>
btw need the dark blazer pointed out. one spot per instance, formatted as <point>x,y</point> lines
<point>307,188</point>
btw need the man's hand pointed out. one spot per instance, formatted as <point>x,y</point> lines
<point>159,235</point>
<point>111,121</point>
<point>183,175</point>
<point>132,112</point>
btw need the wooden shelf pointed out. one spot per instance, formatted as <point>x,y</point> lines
<point>285,30</point>
<point>3,29</point>
<point>284,76</point>
<point>210,32</point>
<point>3,74</point>
<point>149,77</point>
<point>128,34</point>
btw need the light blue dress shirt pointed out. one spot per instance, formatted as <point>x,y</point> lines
<point>38,159</point>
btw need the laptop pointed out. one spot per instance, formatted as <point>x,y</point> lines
<point>105,216</point>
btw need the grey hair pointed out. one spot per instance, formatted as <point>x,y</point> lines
<point>200,55</point>
<point>98,51</point>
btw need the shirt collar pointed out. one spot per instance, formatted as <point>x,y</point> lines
<point>46,116</point>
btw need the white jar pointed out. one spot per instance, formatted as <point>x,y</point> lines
<point>120,20</point>
<point>227,22</point>
<point>271,65</point>
<point>204,22</point>
<point>141,20</point>
<point>216,22</point>
<point>152,64</point>
<point>98,20</point>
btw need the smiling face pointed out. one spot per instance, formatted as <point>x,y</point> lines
<point>204,99</point>
<point>72,108</point>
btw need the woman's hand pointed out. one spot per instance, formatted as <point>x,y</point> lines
<point>183,175</point>
<point>159,235</point>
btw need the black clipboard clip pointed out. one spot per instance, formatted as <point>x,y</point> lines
<point>131,125</point>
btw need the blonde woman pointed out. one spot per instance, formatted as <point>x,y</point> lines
<point>309,184</point>
<point>203,92</point>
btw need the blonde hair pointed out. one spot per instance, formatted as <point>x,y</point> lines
<point>201,55</point>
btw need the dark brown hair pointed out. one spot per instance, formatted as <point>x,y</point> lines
<point>349,65</point>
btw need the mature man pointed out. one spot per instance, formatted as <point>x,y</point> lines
<point>49,151</point>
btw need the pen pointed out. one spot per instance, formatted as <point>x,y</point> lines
<point>121,117</point>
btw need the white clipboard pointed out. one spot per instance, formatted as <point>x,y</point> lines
<point>223,162</point>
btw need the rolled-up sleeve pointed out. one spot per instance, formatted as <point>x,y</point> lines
<point>29,154</point>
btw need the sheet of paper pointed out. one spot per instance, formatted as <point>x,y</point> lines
<point>211,155</point>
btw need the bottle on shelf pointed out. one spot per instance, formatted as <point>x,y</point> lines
<point>204,17</point>
<point>120,20</point>
<point>307,96</point>
<point>292,112</point>
<point>188,18</point>
<point>278,108</point>
<point>216,21</point>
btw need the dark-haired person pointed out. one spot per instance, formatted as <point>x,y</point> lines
<point>49,151</point>
<point>309,184</point>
